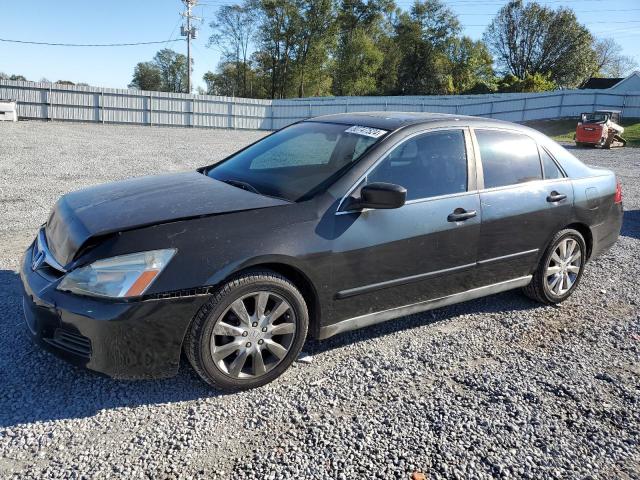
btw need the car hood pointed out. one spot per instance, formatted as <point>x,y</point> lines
<point>114,207</point>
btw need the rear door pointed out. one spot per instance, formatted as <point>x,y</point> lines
<point>391,258</point>
<point>525,199</point>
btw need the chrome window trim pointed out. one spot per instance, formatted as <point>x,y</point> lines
<point>519,185</point>
<point>468,150</point>
<point>554,160</point>
<point>480,165</point>
<point>41,245</point>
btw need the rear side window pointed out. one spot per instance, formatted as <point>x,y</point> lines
<point>427,165</point>
<point>508,158</point>
<point>549,166</point>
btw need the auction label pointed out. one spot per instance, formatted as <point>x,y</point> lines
<point>366,131</point>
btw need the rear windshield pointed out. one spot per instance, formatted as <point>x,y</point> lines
<point>594,117</point>
<point>298,161</point>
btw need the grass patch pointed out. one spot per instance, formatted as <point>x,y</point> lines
<point>562,130</point>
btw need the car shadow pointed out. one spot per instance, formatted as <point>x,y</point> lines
<point>631,224</point>
<point>38,386</point>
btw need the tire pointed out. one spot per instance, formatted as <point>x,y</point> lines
<point>542,287</point>
<point>216,329</point>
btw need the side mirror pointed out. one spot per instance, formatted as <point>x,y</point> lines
<point>380,196</point>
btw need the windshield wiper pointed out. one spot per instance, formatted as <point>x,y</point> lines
<point>242,185</point>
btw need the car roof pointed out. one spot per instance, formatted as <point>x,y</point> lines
<point>394,120</point>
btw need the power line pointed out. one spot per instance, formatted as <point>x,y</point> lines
<point>28,42</point>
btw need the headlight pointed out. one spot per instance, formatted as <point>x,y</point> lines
<point>118,277</point>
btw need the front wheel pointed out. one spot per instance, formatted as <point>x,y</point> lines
<point>249,333</point>
<point>560,269</point>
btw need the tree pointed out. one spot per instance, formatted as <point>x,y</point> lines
<point>315,40</point>
<point>279,30</point>
<point>362,36</point>
<point>64,82</point>
<point>609,60</point>
<point>173,70</point>
<point>531,39</point>
<point>225,81</point>
<point>423,36</point>
<point>146,76</point>
<point>471,66</point>
<point>234,29</point>
<point>360,61</point>
<point>19,78</point>
<point>167,72</point>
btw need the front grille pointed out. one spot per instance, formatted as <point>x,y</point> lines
<point>42,260</point>
<point>71,342</point>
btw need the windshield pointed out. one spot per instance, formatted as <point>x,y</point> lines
<point>297,161</point>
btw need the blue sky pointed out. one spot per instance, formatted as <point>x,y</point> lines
<point>119,21</point>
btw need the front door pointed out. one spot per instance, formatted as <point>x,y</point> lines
<point>423,250</point>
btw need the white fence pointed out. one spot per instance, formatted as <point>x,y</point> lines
<point>107,105</point>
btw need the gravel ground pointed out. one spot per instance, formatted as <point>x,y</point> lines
<point>498,387</point>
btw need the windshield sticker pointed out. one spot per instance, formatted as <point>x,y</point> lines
<point>366,131</point>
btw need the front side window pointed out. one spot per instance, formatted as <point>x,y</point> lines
<point>427,165</point>
<point>297,160</point>
<point>508,158</point>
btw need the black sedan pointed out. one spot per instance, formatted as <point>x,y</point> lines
<point>328,225</point>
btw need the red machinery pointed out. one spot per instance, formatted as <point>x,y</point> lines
<point>600,128</point>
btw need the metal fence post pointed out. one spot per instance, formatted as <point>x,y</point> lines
<point>230,114</point>
<point>271,107</point>
<point>102,106</point>
<point>561,105</point>
<point>50,103</point>
<point>150,109</point>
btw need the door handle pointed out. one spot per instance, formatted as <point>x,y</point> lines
<point>556,197</point>
<point>460,215</point>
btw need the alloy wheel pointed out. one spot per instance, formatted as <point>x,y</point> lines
<point>564,266</point>
<point>253,335</point>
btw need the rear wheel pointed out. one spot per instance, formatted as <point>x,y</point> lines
<point>250,332</point>
<point>560,268</point>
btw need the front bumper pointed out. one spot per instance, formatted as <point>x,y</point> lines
<point>122,339</point>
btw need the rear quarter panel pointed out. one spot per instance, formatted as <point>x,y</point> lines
<point>595,207</point>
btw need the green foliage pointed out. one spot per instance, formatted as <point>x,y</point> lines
<point>166,73</point>
<point>146,76</point>
<point>423,36</point>
<point>358,65</point>
<point>471,66</point>
<point>530,83</point>
<point>173,70</point>
<point>289,48</point>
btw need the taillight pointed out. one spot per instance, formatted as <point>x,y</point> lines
<point>618,197</point>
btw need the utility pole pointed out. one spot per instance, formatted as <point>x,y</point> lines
<point>191,33</point>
